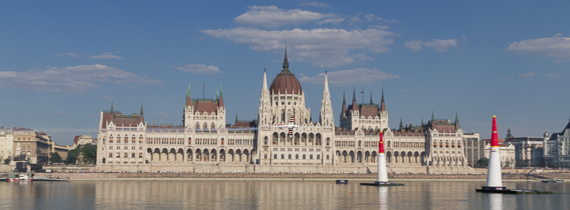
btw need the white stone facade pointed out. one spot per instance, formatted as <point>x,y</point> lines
<point>204,141</point>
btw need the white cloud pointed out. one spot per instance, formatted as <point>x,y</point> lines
<point>335,21</point>
<point>440,45</point>
<point>322,47</point>
<point>199,69</point>
<point>554,75</point>
<point>556,46</point>
<point>314,4</point>
<point>106,55</point>
<point>527,75</point>
<point>372,17</point>
<point>70,54</point>
<point>350,77</point>
<point>273,17</point>
<point>74,79</point>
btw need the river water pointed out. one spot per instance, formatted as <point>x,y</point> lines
<point>254,194</point>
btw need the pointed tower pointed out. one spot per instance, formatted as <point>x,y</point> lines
<point>221,98</point>
<point>188,96</point>
<point>457,121</point>
<point>371,102</point>
<point>383,113</point>
<point>141,118</point>
<point>112,111</point>
<point>382,105</point>
<point>187,119</point>
<point>326,113</point>
<point>354,106</point>
<point>343,110</point>
<point>285,60</point>
<point>264,111</point>
<point>401,124</point>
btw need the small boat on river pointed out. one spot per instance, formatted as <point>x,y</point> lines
<point>20,178</point>
<point>552,180</point>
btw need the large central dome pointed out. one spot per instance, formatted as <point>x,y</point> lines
<point>285,82</point>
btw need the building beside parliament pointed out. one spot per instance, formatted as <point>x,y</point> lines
<point>204,143</point>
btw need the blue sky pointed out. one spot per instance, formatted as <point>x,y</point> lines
<point>62,62</point>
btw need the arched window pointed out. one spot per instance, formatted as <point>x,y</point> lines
<point>265,142</point>
<point>328,141</point>
<point>205,128</point>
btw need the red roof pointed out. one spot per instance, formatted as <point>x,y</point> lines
<point>205,105</point>
<point>285,82</point>
<point>368,110</point>
<point>121,120</point>
<point>76,139</point>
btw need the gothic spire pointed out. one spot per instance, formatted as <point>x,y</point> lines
<point>401,124</point>
<point>188,96</point>
<point>456,121</point>
<point>343,110</point>
<point>236,118</point>
<point>285,60</point>
<point>264,79</point>
<point>354,106</point>
<point>188,93</point>
<point>371,102</point>
<point>141,108</point>
<point>353,94</point>
<point>432,117</point>
<point>111,107</point>
<point>326,82</point>
<point>382,105</point>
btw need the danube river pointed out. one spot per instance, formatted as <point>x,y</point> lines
<point>269,194</point>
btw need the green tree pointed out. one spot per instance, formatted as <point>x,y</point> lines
<point>7,160</point>
<point>72,156</point>
<point>55,158</point>
<point>483,162</point>
<point>88,153</point>
<point>43,159</point>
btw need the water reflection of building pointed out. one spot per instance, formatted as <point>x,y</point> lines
<point>205,143</point>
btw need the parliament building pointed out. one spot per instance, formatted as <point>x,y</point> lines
<point>204,143</point>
